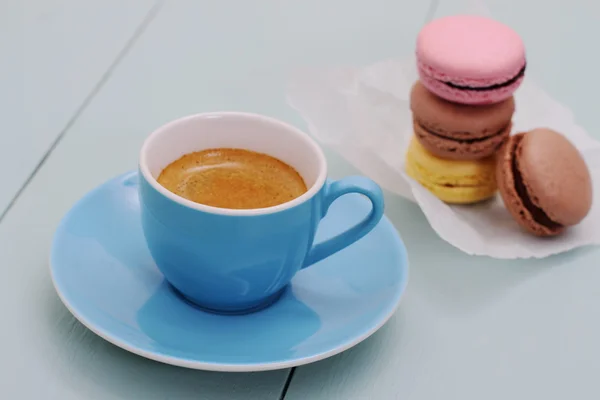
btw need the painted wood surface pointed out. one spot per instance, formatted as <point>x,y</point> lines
<point>193,56</point>
<point>477,328</point>
<point>54,54</point>
<point>468,328</point>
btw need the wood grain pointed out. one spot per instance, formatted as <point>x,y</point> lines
<point>195,56</point>
<point>55,52</point>
<point>47,346</point>
<point>468,328</point>
<point>473,327</point>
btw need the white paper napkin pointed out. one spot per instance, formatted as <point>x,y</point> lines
<point>364,114</point>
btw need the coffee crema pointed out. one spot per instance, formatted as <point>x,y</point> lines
<point>232,178</point>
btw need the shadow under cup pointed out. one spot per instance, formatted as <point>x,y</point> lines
<point>235,261</point>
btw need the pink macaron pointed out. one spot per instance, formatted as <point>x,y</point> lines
<point>470,59</point>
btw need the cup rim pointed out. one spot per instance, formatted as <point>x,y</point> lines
<point>311,192</point>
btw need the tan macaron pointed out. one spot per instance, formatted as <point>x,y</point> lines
<point>544,181</point>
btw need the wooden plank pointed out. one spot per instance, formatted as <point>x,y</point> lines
<point>54,54</point>
<point>477,328</point>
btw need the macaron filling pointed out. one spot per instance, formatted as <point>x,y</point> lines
<point>496,86</point>
<point>538,215</point>
<point>472,140</point>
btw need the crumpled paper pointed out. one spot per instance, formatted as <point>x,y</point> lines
<point>364,114</point>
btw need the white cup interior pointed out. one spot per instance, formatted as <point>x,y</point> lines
<point>233,130</point>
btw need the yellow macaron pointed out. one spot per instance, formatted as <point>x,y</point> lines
<point>452,181</point>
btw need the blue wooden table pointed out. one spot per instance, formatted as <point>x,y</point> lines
<point>83,82</point>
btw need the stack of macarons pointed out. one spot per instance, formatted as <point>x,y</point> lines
<point>462,149</point>
<point>462,105</point>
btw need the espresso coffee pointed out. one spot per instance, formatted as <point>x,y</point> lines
<point>232,178</point>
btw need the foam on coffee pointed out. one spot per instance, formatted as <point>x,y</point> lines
<point>232,178</point>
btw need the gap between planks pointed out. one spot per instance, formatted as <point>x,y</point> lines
<point>86,102</point>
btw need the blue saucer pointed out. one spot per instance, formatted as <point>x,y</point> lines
<point>105,276</point>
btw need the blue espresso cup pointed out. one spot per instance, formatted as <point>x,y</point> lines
<point>230,260</point>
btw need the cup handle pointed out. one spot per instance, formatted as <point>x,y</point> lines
<point>353,184</point>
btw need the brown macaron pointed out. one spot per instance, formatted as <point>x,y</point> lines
<point>544,181</point>
<point>459,131</point>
